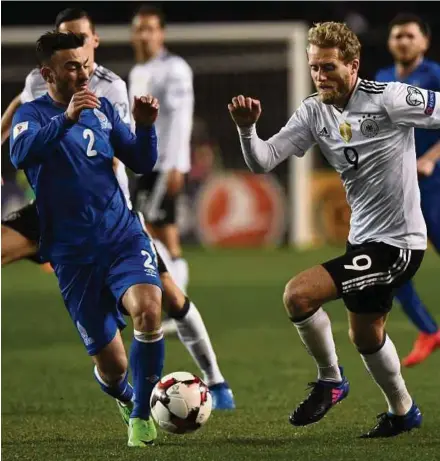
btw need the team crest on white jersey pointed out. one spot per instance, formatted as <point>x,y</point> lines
<point>103,120</point>
<point>345,131</point>
<point>369,127</point>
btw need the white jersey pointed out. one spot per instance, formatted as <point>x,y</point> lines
<point>168,78</point>
<point>105,84</point>
<point>371,145</point>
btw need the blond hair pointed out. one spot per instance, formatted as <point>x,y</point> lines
<point>335,35</point>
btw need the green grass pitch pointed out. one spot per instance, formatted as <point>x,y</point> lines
<point>52,408</point>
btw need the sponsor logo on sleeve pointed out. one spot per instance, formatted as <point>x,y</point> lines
<point>20,128</point>
<point>430,105</point>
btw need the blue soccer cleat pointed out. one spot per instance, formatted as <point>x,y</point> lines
<point>390,425</point>
<point>222,397</point>
<point>324,395</point>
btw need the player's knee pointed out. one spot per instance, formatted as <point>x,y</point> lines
<point>147,314</point>
<point>296,298</point>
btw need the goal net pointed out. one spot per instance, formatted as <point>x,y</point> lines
<point>264,60</point>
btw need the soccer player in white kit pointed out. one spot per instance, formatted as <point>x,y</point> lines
<point>170,79</point>
<point>20,231</point>
<point>365,131</point>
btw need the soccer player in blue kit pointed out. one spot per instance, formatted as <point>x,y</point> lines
<point>408,42</point>
<point>105,264</point>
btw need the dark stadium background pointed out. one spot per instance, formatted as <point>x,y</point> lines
<point>369,20</point>
<point>374,17</point>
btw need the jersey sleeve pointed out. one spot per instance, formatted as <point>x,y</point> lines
<point>30,142</point>
<point>295,138</point>
<point>118,96</point>
<point>178,104</point>
<point>411,106</point>
<point>137,151</point>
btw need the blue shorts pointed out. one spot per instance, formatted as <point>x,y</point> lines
<point>430,203</point>
<point>92,293</point>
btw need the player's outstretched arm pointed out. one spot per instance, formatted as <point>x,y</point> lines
<point>263,156</point>
<point>138,152</point>
<point>258,154</point>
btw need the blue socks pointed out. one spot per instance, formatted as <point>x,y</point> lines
<point>146,363</point>
<point>121,391</point>
<point>413,307</point>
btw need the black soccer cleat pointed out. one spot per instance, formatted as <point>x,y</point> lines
<point>324,395</point>
<point>390,425</point>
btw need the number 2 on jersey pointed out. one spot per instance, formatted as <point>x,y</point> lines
<point>88,133</point>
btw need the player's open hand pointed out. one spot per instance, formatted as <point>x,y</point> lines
<point>84,99</point>
<point>244,111</point>
<point>145,110</point>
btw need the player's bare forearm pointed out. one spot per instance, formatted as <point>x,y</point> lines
<point>433,154</point>
<point>6,122</point>
<point>427,162</point>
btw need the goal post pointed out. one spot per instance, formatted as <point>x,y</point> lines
<point>256,49</point>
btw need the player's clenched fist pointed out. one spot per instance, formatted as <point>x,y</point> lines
<point>244,111</point>
<point>425,166</point>
<point>84,99</point>
<point>145,110</point>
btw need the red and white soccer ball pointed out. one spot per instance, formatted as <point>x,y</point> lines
<point>180,403</point>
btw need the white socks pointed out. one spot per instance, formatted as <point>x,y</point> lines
<point>193,334</point>
<point>180,273</point>
<point>316,334</point>
<point>384,367</point>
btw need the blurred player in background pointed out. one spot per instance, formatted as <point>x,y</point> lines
<point>365,131</point>
<point>408,42</point>
<point>170,78</point>
<point>21,230</point>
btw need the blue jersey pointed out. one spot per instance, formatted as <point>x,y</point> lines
<point>427,76</point>
<point>83,213</point>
